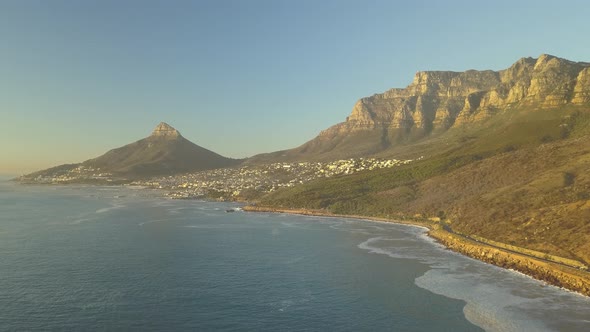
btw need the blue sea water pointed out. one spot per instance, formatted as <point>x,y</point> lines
<point>113,258</point>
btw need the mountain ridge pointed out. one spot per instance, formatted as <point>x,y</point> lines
<point>437,101</point>
<point>434,104</point>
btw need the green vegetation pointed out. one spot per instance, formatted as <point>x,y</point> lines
<point>519,178</point>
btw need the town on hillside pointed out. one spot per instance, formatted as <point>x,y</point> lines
<point>230,183</point>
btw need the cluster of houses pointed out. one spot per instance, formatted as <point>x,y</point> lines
<point>77,174</point>
<point>230,183</point>
<point>233,182</point>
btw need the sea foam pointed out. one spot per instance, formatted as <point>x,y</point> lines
<point>496,299</point>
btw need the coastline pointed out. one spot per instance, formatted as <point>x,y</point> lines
<point>552,273</point>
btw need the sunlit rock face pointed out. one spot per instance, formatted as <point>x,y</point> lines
<point>164,130</point>
<point>581,93</point>
<point>438,100</point>
<point>444,98</point>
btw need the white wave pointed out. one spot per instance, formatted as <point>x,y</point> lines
<point>291,224</point>
<point>496,299</point>
<point>406,228</point>
<point>81,221</point>
<point>405,248</point>
<point>357,231</point>
<point>286,304</point>
<point>488,305</point>
<point>176,210</point>
<point>204,226</point>
<point>221,226</point>
<point>159,220</point>
<point>396,252</point>
<point>110,208</point>
<point>367,244</point>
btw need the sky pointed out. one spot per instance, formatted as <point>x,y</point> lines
<point>241,77</point>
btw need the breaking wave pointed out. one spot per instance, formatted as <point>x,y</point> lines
<point>496,299</point>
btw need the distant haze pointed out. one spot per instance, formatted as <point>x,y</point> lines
<point>78,78</point>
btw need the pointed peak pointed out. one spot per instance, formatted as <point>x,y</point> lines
<point>164,126</point>
<point>165,130</point>
<point>525,60</point>
<point>545,57</point>
<point>546,60</point>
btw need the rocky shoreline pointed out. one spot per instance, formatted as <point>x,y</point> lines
<point>552,273</point>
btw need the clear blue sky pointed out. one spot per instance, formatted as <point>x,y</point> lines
<point>242,77</point>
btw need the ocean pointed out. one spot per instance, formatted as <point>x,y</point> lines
<point>122,259</point>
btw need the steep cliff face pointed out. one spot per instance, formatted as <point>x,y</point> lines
<point>438,100</point>
<point>441,99</point>
<point>581,93</point>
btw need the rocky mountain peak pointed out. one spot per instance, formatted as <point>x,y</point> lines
<point>165,130</point>
<point>440,99</point>
<point>435,101</point>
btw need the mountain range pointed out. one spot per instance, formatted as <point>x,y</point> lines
<point>437,101</point>
<point>499,155</point>
<point>398,122</point>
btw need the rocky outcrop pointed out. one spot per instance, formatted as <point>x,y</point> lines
<point>438,100</point>
<point>164,130</point>
<point>554,274</point>
<point>443,98</point>
<point>581,93</point>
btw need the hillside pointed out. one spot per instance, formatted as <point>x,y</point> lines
<point>519,177</point>
<point>505,154</point>
<point>164,152</point>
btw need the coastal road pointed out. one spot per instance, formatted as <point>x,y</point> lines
<point>448,228</point>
